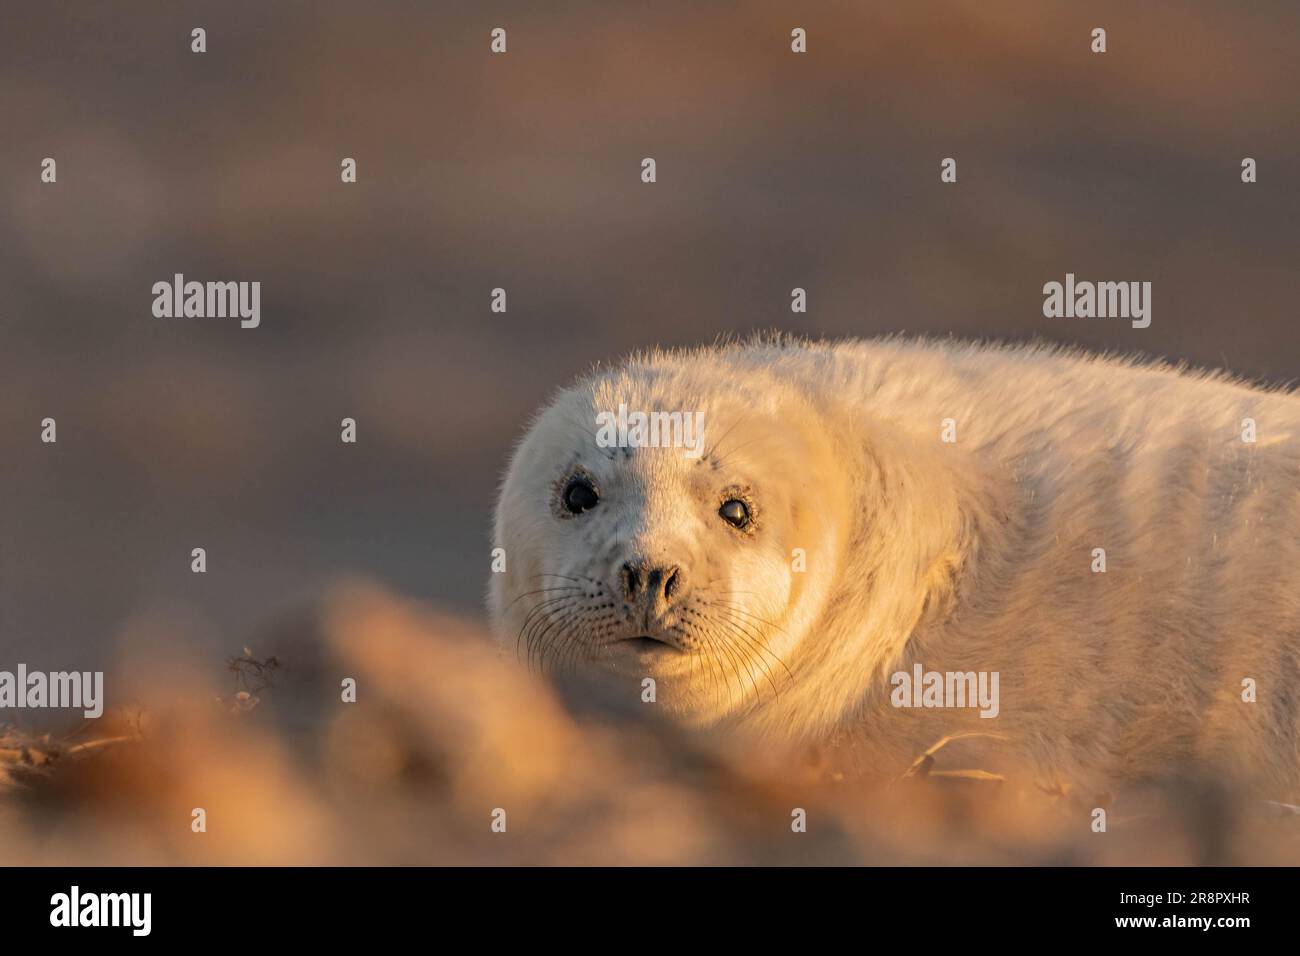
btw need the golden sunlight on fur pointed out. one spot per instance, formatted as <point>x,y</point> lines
<point>1112,548</point>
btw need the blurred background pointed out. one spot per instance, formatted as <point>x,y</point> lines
<point>522,171</point>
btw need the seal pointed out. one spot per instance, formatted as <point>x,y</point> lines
<point>1090,563</point>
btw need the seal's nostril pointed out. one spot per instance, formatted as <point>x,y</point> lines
<point>661,582</point>
<point>631,581</point>
<point>670,586</point>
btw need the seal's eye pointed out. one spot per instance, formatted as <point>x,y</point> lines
<point>579,496</point>
<point>735,513</point>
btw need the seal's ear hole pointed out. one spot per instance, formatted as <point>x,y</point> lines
<point>579,495</point>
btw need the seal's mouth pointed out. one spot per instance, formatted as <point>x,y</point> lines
<point>648,643</point>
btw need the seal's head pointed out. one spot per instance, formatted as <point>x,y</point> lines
<point>656,521</point>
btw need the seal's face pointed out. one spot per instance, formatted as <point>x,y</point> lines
<point>683,563</point>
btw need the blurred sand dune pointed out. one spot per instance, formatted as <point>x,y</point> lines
<point>445,730</point>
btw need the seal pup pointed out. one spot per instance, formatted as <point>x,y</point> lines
<point>1112,547</point>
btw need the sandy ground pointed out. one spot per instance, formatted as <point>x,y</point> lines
<point>445,731</point>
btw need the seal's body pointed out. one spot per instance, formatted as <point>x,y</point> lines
<point>1118,543</point>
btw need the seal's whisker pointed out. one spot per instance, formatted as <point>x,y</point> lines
<point>748,616</point>
<point>528,618</point>
<point>769,437</point>
<point>704,589</point>
<point>695,658</point>
<point>559,617</point>
<point>691,634</point>
<point>573,638</point>
<point>739,609</point>
<point>736,665</point>
<point>537,617</point>
<point>574,643</point>
<point>536,646</point>
<point>714,448</point>
<point>595,442</point>
<point>713,669</point>
<point>717,660</point>
<point>755,645</point>
<point>571,587</point>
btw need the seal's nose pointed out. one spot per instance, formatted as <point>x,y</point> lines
<point>653,585</point>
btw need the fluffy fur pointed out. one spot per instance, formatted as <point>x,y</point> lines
<point>968,556</point>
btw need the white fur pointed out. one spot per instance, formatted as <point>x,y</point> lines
<point>973,556</point>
